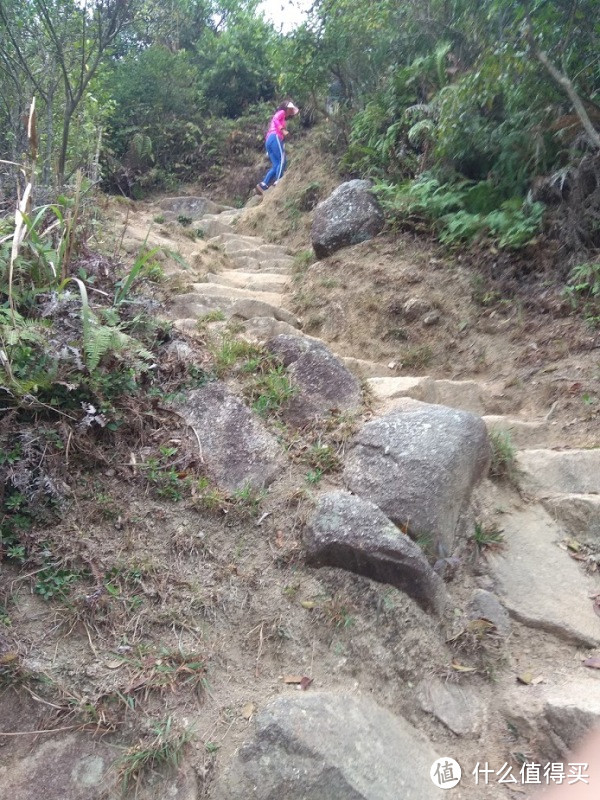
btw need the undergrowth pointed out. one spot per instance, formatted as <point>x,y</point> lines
<point>461,211</point>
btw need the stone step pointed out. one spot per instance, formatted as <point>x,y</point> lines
<point>212,226</point>
<point>545,472</point>
<point>260,252</point>
<point>465,395</point>
<point>522,433</point>
<point>367,369</point>
<point>233,293</point>
<point>578,514</point>
<point>262,264</point>
<point>261,329</point>
<point>223,238</point>
<point>257,281</point>
<point>537,581</point>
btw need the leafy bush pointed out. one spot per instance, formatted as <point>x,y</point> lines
<point>460,210</point>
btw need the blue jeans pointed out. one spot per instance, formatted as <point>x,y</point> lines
<point>276,152</point>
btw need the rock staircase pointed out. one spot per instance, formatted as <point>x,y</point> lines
<point>536,579</point>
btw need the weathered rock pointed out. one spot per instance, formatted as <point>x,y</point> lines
<point>261,329</point>
<point>237,450</point>
<point>563,471</point>
<point>579,515</point>
<point>325,746</point>
<point>193,208</point>
<point>390,388</point>
<point>191,305</point>
<point>253,201</point>
<point>432,318</point>
<point>539,584</point>
<point>322,382</point>
<point>351,214</point>
<point>212,226</point>
<point>347,532</point>
<point>456,706</point>
<point>246,309</point>
<point>485,605</point>
<point>573,709</point>
<point>73,767</point>
<point>415,308</point>
<point>553,720</point>
<point>420,468</point>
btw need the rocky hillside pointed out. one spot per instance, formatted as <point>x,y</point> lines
<point>376,564</point>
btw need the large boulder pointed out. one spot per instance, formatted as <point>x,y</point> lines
<point>321,381</point>
<point>327,746</point>
<point>347,532</point>
<point>351,214</point>
<point>237,451</point>
<point>420,467</point>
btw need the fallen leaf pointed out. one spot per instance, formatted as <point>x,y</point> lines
<point>573,545</point>
<point>462,667</point>
<point>526,678</point>
<point>113,664</point>
<point>305,683</point>
<point>248,710</point>
<point>293,678</point>
<point>592,663</point>
<point>308,604</point>
<point>480,626</point>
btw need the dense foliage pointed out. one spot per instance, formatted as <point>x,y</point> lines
<point>496,100</point>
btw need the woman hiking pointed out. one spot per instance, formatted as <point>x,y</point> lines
<point>275,145</point>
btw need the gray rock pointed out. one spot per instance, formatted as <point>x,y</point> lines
<point>322,382</point>
<point>247,309</point>
<point>432,318</point>
<point>420,468</point>
<point>237,450</point>
<point>73,767</point>
<point>351,214</point>
<point>552,720</point>
<point>573,710</point>
<point>193,208</point>
<point>415,308</point>
<point>539,584</point>
<point>562,471</point>
<point>325,746</point>
<point>457,707</point>
<point>212,226</point>
<point>485,605</point>
<point>347,532</point>
<point>579,514</point>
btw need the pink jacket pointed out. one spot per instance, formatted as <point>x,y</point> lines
<point>277,125</point>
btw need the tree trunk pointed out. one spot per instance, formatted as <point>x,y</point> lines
<point>62,158</point>
<point>47,168</point>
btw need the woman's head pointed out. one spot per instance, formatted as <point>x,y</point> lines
<point>290,109</point>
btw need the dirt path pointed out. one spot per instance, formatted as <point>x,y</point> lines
<point>554,515</point>
<point>234,587</point>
